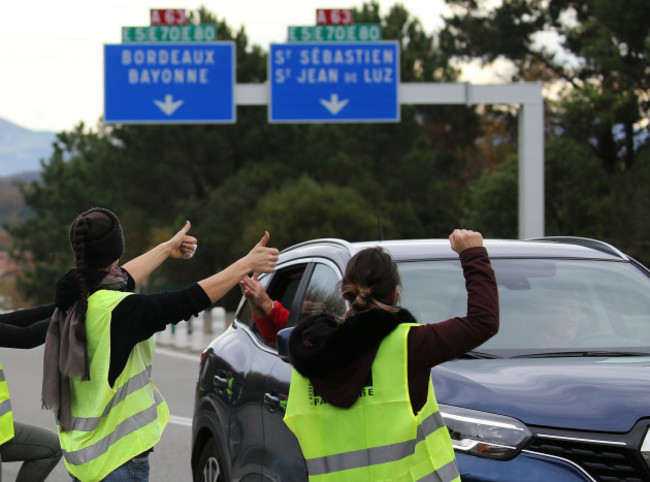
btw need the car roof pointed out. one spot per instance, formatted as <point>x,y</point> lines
<point>423,249</point>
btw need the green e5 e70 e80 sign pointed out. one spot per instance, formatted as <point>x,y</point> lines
<point>359,32</point>
<point>170,33</point>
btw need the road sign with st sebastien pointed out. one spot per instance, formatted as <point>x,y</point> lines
<point>334,82</point>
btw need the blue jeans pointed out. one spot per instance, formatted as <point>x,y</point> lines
<point>135,470</point>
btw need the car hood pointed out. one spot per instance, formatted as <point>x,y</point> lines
<point>604,394</point>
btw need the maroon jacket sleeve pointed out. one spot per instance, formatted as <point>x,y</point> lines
<point>435,343</point>
<point>272,323</point>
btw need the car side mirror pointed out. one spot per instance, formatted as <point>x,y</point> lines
<point>282,343</point>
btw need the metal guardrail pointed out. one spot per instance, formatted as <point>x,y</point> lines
<point>195,334</point>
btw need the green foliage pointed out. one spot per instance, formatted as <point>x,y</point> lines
<point>69,182</point>
<point>579,195</point>
<point>626,210</point>
<point>575,185</point>
<point>494,201</point>
<point>597,52</point>
<point>304,209</point>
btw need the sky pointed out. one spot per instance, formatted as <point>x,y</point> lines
<point>51,52</point>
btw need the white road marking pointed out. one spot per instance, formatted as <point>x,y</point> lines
<point>185,356</point>
<point>184,421</point>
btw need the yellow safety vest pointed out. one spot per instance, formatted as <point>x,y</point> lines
<point>379,438</point>
<point>6,415</point>
<point>111,425</point>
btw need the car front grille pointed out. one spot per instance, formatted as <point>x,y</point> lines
<point>604,457</point>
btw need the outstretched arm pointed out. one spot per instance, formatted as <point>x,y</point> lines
<point>25,328</point>
<point>181,245</point>
<point>27,316</point>
<point>259,259</point>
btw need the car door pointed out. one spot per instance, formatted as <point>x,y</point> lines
<point>318,292</point>
<point>241,363</point>
<point>284,285</point>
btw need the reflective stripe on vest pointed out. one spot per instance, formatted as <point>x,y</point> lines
<point>141,380</point>
<point>379,437</point>
<point>6,415</point>
<point>375,455</point>
<point>128,426</point>
<point>111,425</point>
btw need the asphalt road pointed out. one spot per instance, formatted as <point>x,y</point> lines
<point>174,373</point>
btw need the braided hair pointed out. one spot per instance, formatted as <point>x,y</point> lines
<point>370,280</point>
<point>78,233</point>
<point>97,241</point>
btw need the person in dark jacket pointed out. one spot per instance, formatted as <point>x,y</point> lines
<point>99,346</point>
<point>361,401</point>
<point>37,447</point>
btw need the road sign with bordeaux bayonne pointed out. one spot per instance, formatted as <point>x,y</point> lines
<point>334,82</point>
<point>169,83</point>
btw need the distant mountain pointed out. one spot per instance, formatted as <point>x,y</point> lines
<point>21,150</point>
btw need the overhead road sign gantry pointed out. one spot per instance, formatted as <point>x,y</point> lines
<point>334,82</point>
<point>169,83</point>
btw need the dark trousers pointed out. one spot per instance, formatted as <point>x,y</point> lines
<point>37,447</point>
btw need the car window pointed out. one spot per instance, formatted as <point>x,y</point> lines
<point>323,293</point>
<point>282,285</point>
<point>545,304</point>
<point>433,291</point>
<point>571,304</point>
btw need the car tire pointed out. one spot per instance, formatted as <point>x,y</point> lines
<point>210,466</point>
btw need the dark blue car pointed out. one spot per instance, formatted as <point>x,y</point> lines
<point>561,393</point>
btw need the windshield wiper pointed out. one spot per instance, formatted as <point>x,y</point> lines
<point>477,354</point>
<point>582,353</point>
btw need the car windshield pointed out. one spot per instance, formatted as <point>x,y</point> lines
<point>546,305</point>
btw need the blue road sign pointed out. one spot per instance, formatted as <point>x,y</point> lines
<point>334,82</point>
<point>163,83</point>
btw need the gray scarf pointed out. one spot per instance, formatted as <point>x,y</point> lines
<point>66,355</point>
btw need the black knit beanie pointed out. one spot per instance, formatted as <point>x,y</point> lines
<point>101,252</point>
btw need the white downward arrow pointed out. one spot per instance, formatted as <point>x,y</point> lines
<point>169,106</point>
<point>333,105</point>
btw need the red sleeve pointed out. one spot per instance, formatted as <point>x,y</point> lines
<point>270,324</point>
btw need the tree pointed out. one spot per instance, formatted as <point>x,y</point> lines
<point>69,181</point>
<point>626,209</point>
<point>597,58</point>
<point>575,189</point>
<point>304,209</point>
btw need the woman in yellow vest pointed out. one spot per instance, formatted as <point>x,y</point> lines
<point>109,413</point>
<point>37,447</point>
<point>361,401</point>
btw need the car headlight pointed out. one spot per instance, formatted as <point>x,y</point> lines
<point>485,434</point>
<point>645,448</point>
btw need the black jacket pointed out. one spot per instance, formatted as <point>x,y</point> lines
<point>337,357</point>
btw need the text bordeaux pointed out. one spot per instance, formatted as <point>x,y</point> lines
<point>168,66</point>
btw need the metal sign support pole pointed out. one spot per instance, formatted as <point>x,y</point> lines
<point>531,130</point>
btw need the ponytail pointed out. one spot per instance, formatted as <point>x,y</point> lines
<point>370,279</point>
<point>78,237</point>
<point>362,299</point>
